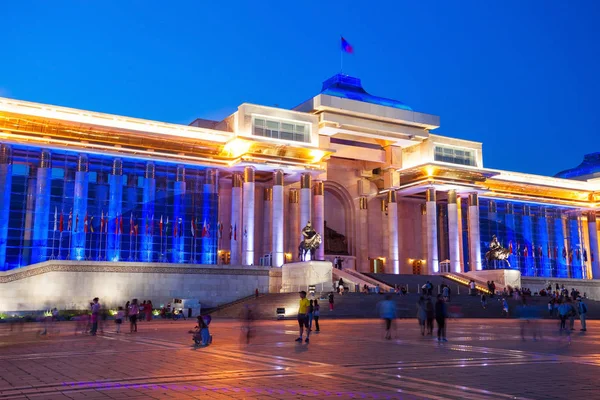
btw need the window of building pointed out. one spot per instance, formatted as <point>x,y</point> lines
<point>275,129</point>
<point>455,155</point>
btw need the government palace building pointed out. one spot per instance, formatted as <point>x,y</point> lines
<point>385,192</point>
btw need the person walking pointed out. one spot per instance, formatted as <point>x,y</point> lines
<point>572,314</point>
<point>330,297</point>
<point>316,313</point>
<point>429,309</point>
<point>421,314</point>
<point>504,307</point>
<point>441,313</point>
<point>483,300</point>
<point>148,310</point>
<point>95,308</point>
<point>582,308</point>
<point>119,318</point>
<point>311,309</point>
<point>303,317</point>
<point>387,312</point>
<point>563,313</point>
<point>133,314</point>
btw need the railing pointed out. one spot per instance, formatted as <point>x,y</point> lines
<point>318,288</point>
<point>464,281</point>
<point>371,281</point>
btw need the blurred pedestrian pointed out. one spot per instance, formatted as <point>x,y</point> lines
<point>316,314</point>
<point>387,311</point>
<point>441,314</point>
<point>330,297</point>
<point>421,314</point>
<point>119,316</point>
<point>311,310</point>
<point>483,300</point>
<point>303,317</point>
<point>133,315</point>
<point>148,310</point>
<point>429,309</point>
<point>95,308</point>
<point>582,308</point>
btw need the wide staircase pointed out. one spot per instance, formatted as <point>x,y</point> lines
<point>360,305</point>
<point>352,278</point>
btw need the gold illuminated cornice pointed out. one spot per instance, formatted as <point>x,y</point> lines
<point>77,136</point>
<point>488,184</point>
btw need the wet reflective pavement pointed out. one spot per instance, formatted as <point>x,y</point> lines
<point>483,359</point>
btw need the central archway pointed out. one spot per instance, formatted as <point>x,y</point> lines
<point>342,199</point>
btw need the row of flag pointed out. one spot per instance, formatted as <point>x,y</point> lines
<point>551,253</point>
<point>134,228</point>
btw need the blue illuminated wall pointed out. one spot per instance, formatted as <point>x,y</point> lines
<point>123,211</point>
<point>545,241</point>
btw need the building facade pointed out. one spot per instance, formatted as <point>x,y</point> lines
<point>386,193</point>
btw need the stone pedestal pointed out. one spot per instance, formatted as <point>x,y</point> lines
<point>299,275</point>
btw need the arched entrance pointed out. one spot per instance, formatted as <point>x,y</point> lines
<point>339,218</point>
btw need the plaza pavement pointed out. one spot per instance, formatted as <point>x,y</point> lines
<point>484,359</point>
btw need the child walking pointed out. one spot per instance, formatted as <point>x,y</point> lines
<point>119,318</point>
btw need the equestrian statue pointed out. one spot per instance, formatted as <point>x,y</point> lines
<point>310,244</point>
<point>496,252</point>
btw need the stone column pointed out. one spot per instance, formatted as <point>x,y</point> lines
<point>433,265</point>
<point>179,189</point>
<point>393,261</point>
<point>5,187</point>
<point>115,210</point>
<point>148,198</point>
<point>453,232</point>
<point>460,234</point>
<point>42,208</point>
<point>267,234</point>
<point>362,264</point>
<point>305,203</point>
<point>385,244</point>
<point>80,198</point>
<point>131,201</point>
<point>236,218</point>
<point>544,261</point>
<point>277,227</point>
<point>593,235</point>
<point>474,235</point>
<point>509,221</point>
<point>424,245</point>
<point>248,216</point>
<point>209,217</point>
<point>29,213</point>
<point>294,223</point>
<point>319,216</point>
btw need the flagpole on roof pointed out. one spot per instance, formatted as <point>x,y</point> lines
<point>341,57</point>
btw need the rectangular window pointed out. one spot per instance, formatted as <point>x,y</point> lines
<point>275,129</point>
<point>455,156</point>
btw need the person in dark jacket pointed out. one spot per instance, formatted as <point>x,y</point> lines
<point>430,315</point>
<point>441,313</point>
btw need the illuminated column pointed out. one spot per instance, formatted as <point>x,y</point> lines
<point>42,208</point>
<point>511,244</point>
<point>319,216</point>
<point>267,225</point>
<point>305,211</point>
<point>544,260</point>
<point>5,187</point>
<point>29,212</point>
<point>593,235</point>
<point>209,212</point>
<point>393,261</point>
<point>385,244</point>
<point>115,210</point>
<point>461,256</point>
<point>80,198</point>
<point>527,248</point>
<point>277,227</point>
<point>131,201</point>
<point>248,216</point>
<point>148,197</point>
<point>474,235</point>
<point>362,264</point>
<point>575,249</point>
<point>433,265</point>
<point>294,222</point>
<point>236,218</point>
<point>424,249</point>
<point>453,232</point>
<point>179,229</point>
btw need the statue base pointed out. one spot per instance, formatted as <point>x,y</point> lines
<point>301,275</point>
<point>501,277</point>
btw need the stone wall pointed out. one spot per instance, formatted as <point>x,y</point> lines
<point>72,284</point>
<point>591,287</point>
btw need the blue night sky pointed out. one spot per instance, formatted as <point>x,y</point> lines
<point>519,76</point>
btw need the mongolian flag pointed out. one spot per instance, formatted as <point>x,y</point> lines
<point>131,228</point>
<point>76,222</point>
<point>166,225</point>
<point>235,232</point>
<point>135,229</point>
<point>175,229</point>
<point>85,223</point>
<point>102,222</point>
<point>121,224</point>
<point>160,225</point>
<point>230,232</point>
<point>346,47</point>
<point>117,224</point>
<point>510,248</point>
<point>61,223</point>
<point>70,222</point>
<point>92,224</point>
<point>204,229</point>
<point>193,227</point>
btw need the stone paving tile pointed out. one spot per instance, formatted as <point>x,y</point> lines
<point>484,359</point>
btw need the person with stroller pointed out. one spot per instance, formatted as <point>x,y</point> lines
<point>201,335</point>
